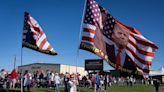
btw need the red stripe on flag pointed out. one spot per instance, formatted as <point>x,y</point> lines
<point>38,30</point>
<point>42,43</point>
<point>146,43</point>
<point>35,28</point>
<point>139,59</point>
<point>87,39</point>
<point>141,51</point>
<point>89,30</point>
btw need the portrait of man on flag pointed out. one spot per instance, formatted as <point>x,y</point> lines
<point>116,48</point>
<point>123,47</point>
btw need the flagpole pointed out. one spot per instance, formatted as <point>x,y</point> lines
<point>14,61</point>
<point>21,69</point>
<point>22,60</point>
<point>81,26</point>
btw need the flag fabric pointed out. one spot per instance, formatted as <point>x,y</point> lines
<point>34,37</point>
<point>98,27</point>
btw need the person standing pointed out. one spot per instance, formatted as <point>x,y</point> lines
<point>13,78</point>
<point>56,82</point>
<point>157,85</point>
<point>66,84</point>
<point>75,82</point>
<point>48,78</point>
<point>93,81</point>
<point>98,82</point>
<point>131,80</point>
<point>2,74</point>
<point>105,81</point>
<point>52,78</point>
<point>70,87</point>
<point>26,81</point>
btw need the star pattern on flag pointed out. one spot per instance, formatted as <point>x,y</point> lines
<point>92,15</point>
<point>108,23</point>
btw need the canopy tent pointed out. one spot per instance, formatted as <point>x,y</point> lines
<point>157,72</point>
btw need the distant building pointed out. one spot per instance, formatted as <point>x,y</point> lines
<point>158,74</point>
<point>59,68</point>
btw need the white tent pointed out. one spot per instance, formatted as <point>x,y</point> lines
<point>157,72</point>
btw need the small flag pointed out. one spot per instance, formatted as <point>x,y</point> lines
<point>34,37</point>
<point>113,41</point>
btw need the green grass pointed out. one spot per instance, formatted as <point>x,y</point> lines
<point>114,88</point>
<point>134,88</point>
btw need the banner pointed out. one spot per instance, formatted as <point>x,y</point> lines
<point>123,47</point>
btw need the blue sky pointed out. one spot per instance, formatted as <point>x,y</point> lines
<point>61,21</point>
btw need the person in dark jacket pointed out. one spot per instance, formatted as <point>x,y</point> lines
<point>156,85</point>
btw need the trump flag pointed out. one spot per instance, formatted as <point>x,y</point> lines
<point>34,37</point>
<point>123,47</point>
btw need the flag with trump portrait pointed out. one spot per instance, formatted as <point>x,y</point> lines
<point>121,46</point>
<point>34,37</point>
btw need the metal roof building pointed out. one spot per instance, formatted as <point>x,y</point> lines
<point>59,68</point>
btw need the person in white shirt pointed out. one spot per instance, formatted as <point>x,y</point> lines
<point>2,73</point>
<point>73,83</point>
<point>70,83</point>
<point>52,78</point>
<point>56,82</point>
<point>26,81</point>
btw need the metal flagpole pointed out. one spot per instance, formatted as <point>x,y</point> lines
<point>81,26</point>
<point>22,60</point>
<point>14,61</point>
<point>21,69</point>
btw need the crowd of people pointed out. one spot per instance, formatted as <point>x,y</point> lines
<point>68,81</point>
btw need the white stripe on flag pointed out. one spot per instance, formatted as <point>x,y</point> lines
<point>45,46</point>
<point>89,26</point>
<point>40,40</point>
<point>141,56</point>
<point>140,46</point>
<point>143,66</point>
<point>34,22</point>
<point>88,34</point>
<point>140,37</point>
<point>88,42</point>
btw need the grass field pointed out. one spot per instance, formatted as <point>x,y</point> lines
<point>115,88</point>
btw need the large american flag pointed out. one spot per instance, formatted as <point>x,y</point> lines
<point>98,25</point>
<point>34,37</point>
